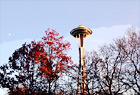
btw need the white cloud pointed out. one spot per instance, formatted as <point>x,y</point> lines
<point>105,35</point>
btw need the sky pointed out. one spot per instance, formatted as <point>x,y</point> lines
<point>26,20</point>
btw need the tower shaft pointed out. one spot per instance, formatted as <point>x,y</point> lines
<point>82,75</point>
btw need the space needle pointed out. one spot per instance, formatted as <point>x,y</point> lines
<point>81,33</point>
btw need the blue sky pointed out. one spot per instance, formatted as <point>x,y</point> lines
<point>30,18</point>
<point>25,20</point>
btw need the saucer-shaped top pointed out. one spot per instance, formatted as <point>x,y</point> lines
<point>81,30</point>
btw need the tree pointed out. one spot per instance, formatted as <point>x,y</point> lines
<point>54,61</point>
<point>37,66</point>
<point>112,64</point>
<point>116,67</point>
<point>93,62</point>
<point>105,69</point>
<point>22,71</point>
<point>130,46</point>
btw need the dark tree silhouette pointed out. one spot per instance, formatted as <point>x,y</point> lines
<point>93,64</point>
<point>104,71</point>
<point>23,72</point>
<point>34,68</point>
<point>130,46</point>
<point>116,67</point>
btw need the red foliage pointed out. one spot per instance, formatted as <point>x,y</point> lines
<point>53,58</point>
<point>48,56</point>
